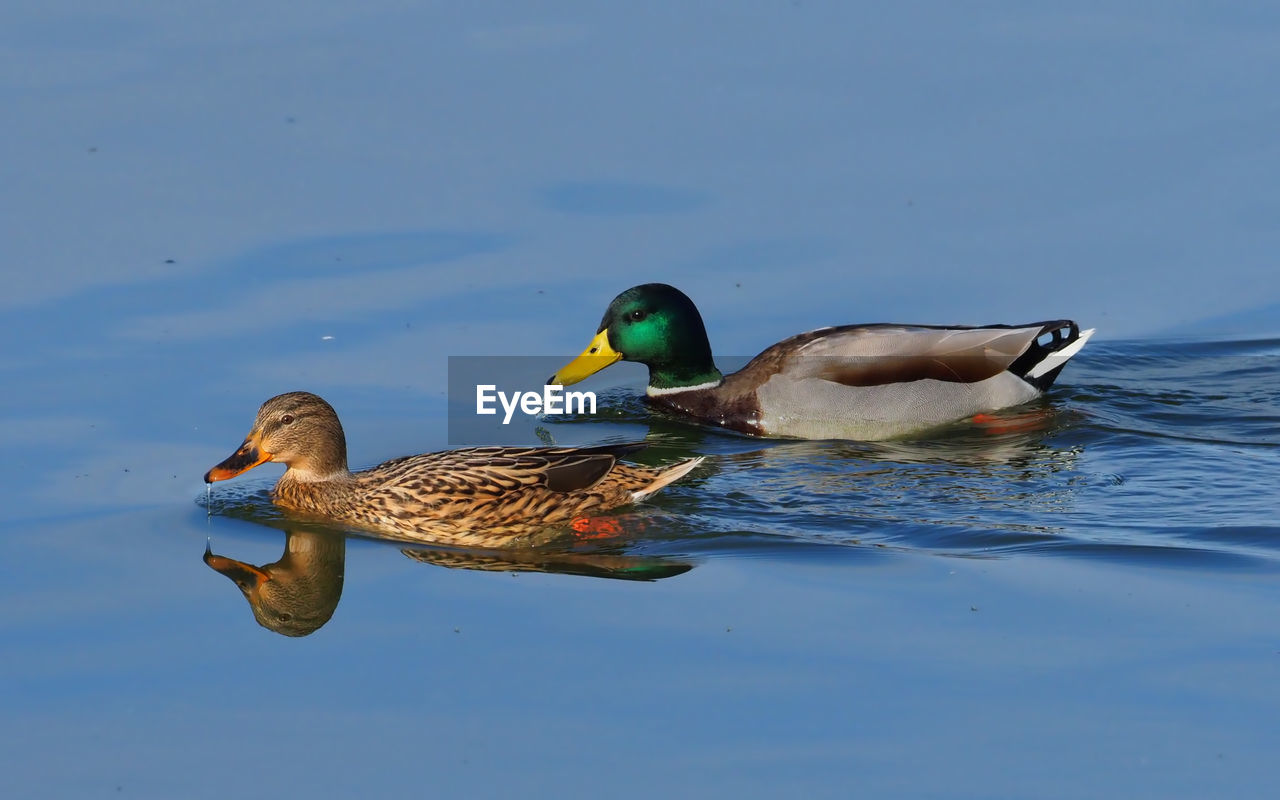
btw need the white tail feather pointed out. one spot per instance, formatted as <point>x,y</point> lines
<point>1060,357</point>
<point>668,477</point>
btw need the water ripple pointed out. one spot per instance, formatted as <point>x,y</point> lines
<point>1162,453</point>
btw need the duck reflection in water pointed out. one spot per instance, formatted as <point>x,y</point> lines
<point>592,565</point>
<point>298,593</point>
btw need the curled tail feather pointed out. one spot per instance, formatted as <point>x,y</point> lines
<point>666,477</point>
<point>1045,357</point>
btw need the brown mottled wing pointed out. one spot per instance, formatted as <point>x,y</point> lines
<point>875,355</point>
<point>490,472</point>
<point>488,496</point>
<point>578,473</point>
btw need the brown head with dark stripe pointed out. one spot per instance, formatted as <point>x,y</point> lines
<point>297,429</point>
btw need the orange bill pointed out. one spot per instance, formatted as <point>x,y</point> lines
<point>246,576</point>
<point>246,458</point>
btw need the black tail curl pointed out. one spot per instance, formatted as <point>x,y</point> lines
<point>1053,336</point>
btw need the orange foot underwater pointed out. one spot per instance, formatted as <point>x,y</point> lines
<point>1020,422</point>
<point>587,528</point>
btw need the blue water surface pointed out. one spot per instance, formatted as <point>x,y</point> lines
<point>207,207</point>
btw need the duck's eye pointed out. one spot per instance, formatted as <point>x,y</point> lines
<point>637,315</point>
<point>285,617</point>
<point>287,419</point>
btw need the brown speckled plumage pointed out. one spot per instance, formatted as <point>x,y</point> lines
<point>481,496</point>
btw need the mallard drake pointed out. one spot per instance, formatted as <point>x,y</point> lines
<point>479,496</point>
<point>867,382</point>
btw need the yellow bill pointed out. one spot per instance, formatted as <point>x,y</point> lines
<point>596,357</point>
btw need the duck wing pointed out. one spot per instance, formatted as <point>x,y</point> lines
<point>494,471</point>
<point>881,354</point>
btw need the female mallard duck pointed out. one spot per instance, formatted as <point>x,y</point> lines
<point>866,382</point>
<point>480,496</point>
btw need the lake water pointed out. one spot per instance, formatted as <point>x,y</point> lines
<point>204,209</point>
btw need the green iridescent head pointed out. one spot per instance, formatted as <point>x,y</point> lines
<point>653,324</point>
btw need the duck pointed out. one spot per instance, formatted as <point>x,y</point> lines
<point>863,382</point>
<point>475,497</point>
